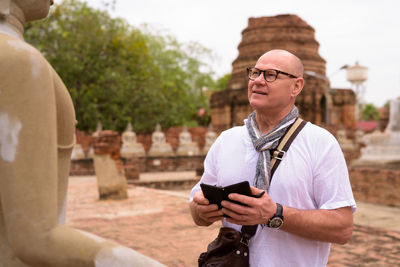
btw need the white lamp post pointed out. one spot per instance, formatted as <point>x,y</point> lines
<point>357,75</point>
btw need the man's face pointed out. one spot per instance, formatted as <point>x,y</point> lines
<point>277,95</point>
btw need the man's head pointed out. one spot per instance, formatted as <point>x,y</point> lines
<point>32,9</point>
<point>275,81</point>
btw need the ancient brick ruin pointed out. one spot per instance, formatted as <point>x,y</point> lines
<point>289,32</point>
<point>108,165</point>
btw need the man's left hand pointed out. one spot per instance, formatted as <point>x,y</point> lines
<point>256,211</point>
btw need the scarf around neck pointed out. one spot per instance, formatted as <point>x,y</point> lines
<point>265,143</point>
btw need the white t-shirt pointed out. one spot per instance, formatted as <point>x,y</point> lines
<point>312,175</point>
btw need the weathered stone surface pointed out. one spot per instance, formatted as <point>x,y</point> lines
<point>159,145</point>
<point>134,166</point>
<point>77,152</point>
<point>186,146</point>
<point>383,147</point>
<point>383,117</point>
<point>131,168</point>
<point>262,34</point>
<point>343,108</point>
<point>210,138</point>
<point>229,108</point>
<point>376,185</point>
<point>108,166</point>
<point>81,167</point>
<point>172,163</point>
<point>130,147</point>
<point>349,147</point>
<point>85,140</point>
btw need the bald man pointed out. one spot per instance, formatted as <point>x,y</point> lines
<point>310,193</point>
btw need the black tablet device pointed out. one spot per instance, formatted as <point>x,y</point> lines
<point>215,194</point>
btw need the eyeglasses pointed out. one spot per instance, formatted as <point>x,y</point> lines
<point>270,75</point>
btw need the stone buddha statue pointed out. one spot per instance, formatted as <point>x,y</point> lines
<point>37,126</point>
<point>159,145</point>
<point>130,147</point>
<point>345,143</point>
<point>210,138</point>
<point>383,148</point>
<point>186,146</point>
<point>359,137</point>
<point>77,152</point>
<point>394,117</point>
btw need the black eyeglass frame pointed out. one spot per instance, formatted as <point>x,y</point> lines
<point>277,72</point>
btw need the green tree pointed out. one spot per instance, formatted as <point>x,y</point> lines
<point>179,76</point>
<point>115,73</point>
<point>222,82</point>
<point>370,112</point>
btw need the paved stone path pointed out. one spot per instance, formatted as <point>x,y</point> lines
<point>157,223</point>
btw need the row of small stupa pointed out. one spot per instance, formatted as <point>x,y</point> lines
<point>159,147</point>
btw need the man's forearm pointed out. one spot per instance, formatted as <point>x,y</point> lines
<point>333,226</point>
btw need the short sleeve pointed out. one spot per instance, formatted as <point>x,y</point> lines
<point>332,188</point>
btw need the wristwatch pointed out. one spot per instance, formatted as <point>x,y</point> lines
<point>276,221</point>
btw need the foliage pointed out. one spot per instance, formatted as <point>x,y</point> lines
<point>222,82</point>
<point>370,112</point>
<point>387,104</point>
<point>116,73</point>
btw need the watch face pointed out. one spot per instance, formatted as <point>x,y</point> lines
<point>275,222</point>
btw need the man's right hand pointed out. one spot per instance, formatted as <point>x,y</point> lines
<point>203,212</point>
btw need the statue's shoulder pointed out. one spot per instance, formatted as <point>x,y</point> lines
<point>23,68</point>
<point>18,51</point>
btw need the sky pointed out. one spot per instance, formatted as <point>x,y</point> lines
<point>348,31</point>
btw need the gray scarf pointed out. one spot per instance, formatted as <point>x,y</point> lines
<point>264,143</point>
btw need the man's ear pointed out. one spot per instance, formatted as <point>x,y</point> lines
<point>298,86</point>
<point>4,8</point>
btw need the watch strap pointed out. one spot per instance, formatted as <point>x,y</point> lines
<point>279,211</point>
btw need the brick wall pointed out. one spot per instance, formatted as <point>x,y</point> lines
<point>81,167</point>
<point>85,139</point>
<point>376,186</point>
<point>143,164</point>
<point>175,163</point>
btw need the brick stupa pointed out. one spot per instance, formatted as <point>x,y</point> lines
<point>289,32</point>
